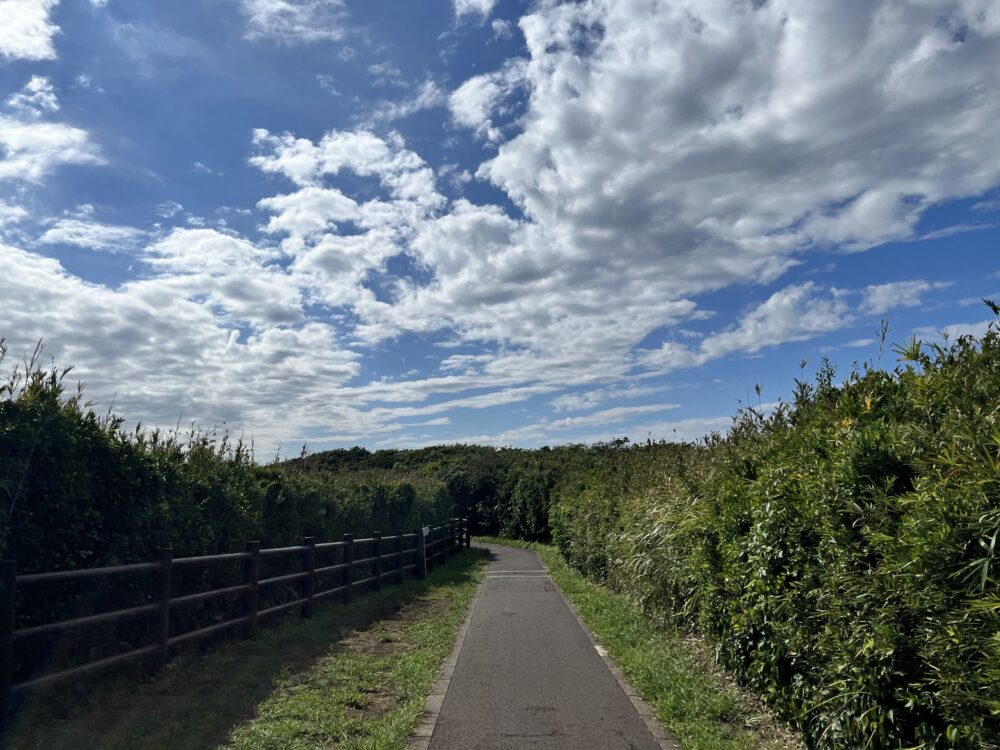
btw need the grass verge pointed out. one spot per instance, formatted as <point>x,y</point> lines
<point>692,697</point>
<point>354,677</point>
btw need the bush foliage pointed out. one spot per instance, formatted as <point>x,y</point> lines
<point>840,551</point>
<point>78,490</point>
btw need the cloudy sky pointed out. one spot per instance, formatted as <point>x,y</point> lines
<point>389,223</point>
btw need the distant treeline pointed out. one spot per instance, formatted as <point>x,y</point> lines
<point>840,551</point>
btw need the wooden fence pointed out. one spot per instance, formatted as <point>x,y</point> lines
<point>387,558</point>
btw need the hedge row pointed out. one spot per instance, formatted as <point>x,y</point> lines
<point>841,551</point>
<point>76,490</point>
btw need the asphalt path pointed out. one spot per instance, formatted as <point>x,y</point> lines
<point>528,675</point>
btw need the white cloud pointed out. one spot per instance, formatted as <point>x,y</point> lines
<point>716,141</point>
<point>562,430</point>
<point>35,99</point>
<point>92,235</point>
<point>308,212</point>
<point>879,298</point>
<point>11,214</point>
<point>386,74</point>
<point>31,150</point>
<point>656,152</point>
<point>795,313</point>
<point>428,96</point>
<point>954,331</point>
<point>401,171</point>
<point>501,28</point>
<point>26,30</point>
<point>475,103</point>
<point>295,21</point>
<point>653,151</point>
<point>192,361</point>
<point>326,82</point>
<point>481,8</point>
<point>591,398</point>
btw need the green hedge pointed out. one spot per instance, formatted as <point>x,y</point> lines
<point>76,490</point>
<point>841,551</point>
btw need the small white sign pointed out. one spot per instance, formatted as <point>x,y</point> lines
<point>427,530</point>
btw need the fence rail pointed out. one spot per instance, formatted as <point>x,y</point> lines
<point>386,558</point>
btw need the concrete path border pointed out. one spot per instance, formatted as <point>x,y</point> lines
<point>647,715</point>
<point>421,737</point>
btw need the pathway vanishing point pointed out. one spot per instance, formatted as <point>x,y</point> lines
<point>526,674</point>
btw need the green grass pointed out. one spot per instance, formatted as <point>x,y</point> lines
<point>692,698</point>
<point>353,677</point>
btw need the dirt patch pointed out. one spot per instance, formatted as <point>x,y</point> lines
<point>419,609</point>
<point>368,643</point>
<point>384,639</point>
<point>375,706</point>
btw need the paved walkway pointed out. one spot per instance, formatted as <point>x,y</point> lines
<point>528,676</point>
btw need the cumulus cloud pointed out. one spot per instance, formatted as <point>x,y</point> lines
<point>27,29</point>
<point>717,141</point>
<point>475,103</point>
<point>646,152</point>
<point>295,21</point>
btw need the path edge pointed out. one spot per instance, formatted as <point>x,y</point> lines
<point>420,738</point>
<point>662,737</point>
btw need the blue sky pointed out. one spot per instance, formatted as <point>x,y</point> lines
<point>515,223</point>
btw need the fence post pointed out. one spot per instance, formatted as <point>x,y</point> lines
<point>468,533</point>
<point>399,556</point>
<point>454,537</point>
<point>421,552</point>
<point>377,545</point>
<point>251,576</point>
<point>430,548</point>
<point>163,619</point>
<point>348,566</point>
<point>309,566</point>
<point>8,582</point>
